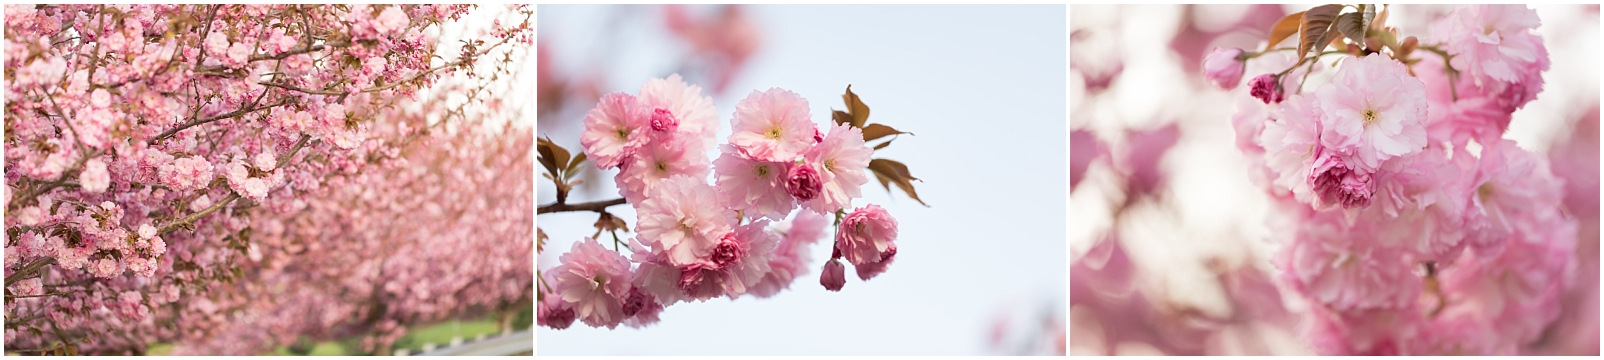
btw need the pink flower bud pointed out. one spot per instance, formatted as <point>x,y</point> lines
<point>803,182</point>
<point>1336,183</point>
<point>834,276</point>
<point>1224,68</point>
<point>1263,87</point>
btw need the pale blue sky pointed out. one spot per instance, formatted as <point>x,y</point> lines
<point>984,89</point>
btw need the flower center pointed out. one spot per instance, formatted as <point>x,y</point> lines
<point>762,171</point>
<point>829,165</point>
<point>1488,30</point>
<point>1484,191</point>
<point>1370,116</point>
<point>662,166</point>
<point>773,133</point>
<point>623,133</point>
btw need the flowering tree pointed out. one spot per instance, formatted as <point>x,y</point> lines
<point>1405,220</point>
<point>695,240</point>
<point>174,172</point>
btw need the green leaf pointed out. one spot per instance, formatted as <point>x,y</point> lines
<point>876,131</point>
<point>859,110</point>
<point>1315,29</point>
<point>1284,29</point>
<point>893,172</point>
<point>573,166</point>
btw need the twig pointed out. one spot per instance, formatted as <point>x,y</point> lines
<point>596,206</point>
<point>29,269</point>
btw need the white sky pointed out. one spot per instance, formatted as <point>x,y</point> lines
<point>984,89</point>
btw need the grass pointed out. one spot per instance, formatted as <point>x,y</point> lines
<point>440,334</point>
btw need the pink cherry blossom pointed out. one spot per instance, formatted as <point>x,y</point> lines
<point>773,125</point>
<point>94,177</point>
<point>866,235</point>
<point>653,164</point>
<point>695,117</point>
<point>756,187</point>
<point>870,270</point>
<point>1290,142</point>
<point>594,281</point>
<point>614,130</point>
<point>1495,46</point>
<point>1223,67</point>
<point>555,313</point>
<point>802,181</point>
<point>1337,184</point>
<point>842,159</point>
<point>1342,273</point>
<point>790,255</point>
<point>682,220</point>
<point>1374,111</point>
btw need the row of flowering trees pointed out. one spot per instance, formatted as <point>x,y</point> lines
<point>229,178</point>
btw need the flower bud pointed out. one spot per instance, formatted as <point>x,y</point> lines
<point>834,276</point>
<point>1263,87</point>
<point>1224,67</point>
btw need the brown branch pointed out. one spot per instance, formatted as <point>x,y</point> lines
<point>29,269</point>
<point>198,122</point>
<point>596,206</point>
<point>299,89</point>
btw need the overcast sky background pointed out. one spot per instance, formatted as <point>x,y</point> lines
<point>984,87</point>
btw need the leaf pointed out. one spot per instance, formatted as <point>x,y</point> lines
<point>1369,12</point>
<point>1313,31</point>
<point>1352,26</point>
<point>540,240</point>
<point>841,117</point>
<point>890,171</point>
<point>573,166</point>
<point>548,155</point>
<point>1284,29</point>
<point>859,111</point>
<point>883,145</point>
<point>876,131</point>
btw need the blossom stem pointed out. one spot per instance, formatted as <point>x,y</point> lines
<point>1453,75</point>
<point>596,206</point>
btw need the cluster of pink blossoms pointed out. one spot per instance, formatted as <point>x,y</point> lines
<point>698,240</point>
<point>1408,224</point>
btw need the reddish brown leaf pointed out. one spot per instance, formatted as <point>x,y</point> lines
<point>548,155</point>
<point>1315,29</point>
<point>1284,29</point>
<point>859,111</point>
<point>876,131</point>
<point>893,172</point>
<point>841,117</point>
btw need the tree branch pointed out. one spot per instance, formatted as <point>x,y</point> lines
<point>596,206</point>
<point>198,122</point>
<point>29,269</point>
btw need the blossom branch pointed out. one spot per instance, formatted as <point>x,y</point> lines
<point>198,122</point>
<point>29,269</point>
<point>596,206</point>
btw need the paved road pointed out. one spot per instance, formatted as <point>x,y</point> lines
<point>522,342</point>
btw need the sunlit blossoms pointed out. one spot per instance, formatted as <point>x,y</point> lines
<point>1412,226</point>
<point>695,239</point>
